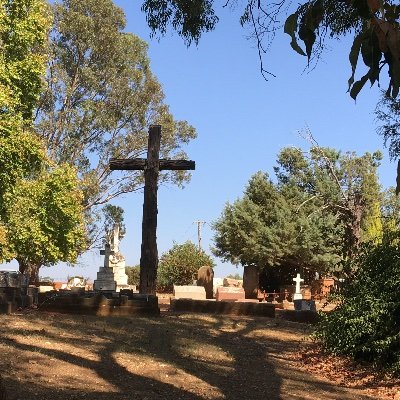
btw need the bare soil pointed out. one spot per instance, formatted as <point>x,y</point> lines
<point>53,356</point>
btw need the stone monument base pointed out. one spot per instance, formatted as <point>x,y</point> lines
<point>105,280</point>
<point>107,304</point>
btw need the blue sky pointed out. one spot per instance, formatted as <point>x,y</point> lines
<point>242,122</point>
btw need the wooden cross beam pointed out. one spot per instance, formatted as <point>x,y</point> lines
<point>151,167</point>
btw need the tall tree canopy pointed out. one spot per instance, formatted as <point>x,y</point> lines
<point>100,98</point>
<point>23,31</point>
<point>40,203</point>
<point>313,217</point>
<point>374,25</point>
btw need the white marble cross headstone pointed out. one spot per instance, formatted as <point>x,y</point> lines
<point>298,294</point>
<point>106,253</point>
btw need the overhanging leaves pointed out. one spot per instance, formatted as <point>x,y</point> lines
<point>291,28</point>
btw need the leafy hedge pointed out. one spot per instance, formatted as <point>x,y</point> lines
<point>180,264</point>
<point>366,324</point>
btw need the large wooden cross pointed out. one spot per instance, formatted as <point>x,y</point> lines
<point>151,166</point>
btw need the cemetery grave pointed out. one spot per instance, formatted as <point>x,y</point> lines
<point>188,357</point>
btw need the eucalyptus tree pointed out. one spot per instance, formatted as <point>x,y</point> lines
<point>46,220</point>
<point>40,203</point>
<point>373,25</point>
<point>100,97</point>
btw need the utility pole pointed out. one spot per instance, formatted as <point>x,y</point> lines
<point>199,224</point>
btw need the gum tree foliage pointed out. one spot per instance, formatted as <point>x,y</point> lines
<point>40,205</point>
<point>390,210</point>
<point>373,24</point>
<point>45,220</point>
<point>312,218</point>
<point>23,28</point>
<point>133,275</point>
<point>365,324</point>
<point>388,115</point>
<point>113,215</point>
<point>179,265</point>
<point>99,100</point>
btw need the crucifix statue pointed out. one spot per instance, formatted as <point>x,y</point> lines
<point>107,252</point>
<point>151,167</point>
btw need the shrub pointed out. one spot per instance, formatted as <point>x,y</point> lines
<point>133,275</point>
<point>180,264</point>
<point>366,324</point>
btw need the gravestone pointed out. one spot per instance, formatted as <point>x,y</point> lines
<point>189,292</point>
<point>13,292</point>
<point>112,276</point>
<point>45,288</point>
<point>216,283</point>
<point>297,294</point>
<point>230,294</point>
<point>205,276</point>
<point>250,281</point>
<point>304,305</point>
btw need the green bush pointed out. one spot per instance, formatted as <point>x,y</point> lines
<point>133,275</point>
<point>180,264</point>
<point>366,324</point>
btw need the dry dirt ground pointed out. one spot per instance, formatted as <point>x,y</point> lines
<point>54,356</point>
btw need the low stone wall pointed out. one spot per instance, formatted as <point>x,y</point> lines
<point>99,304</point>
<point>223,307</point>
<point>12,298</point>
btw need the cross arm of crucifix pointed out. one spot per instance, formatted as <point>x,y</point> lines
<point>141,163</point>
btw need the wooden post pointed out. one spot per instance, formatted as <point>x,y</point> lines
<point>149,251</point>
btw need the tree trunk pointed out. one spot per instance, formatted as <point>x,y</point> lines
<point>31,270</point>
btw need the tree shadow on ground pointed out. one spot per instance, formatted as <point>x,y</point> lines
<point>244,367</point>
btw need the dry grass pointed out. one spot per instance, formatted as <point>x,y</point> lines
<point>53,356</point>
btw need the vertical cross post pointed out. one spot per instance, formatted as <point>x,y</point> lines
<point>149,252</point>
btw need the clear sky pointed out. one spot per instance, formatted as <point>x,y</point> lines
<point>242,122</point>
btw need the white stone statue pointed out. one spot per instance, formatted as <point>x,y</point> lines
<point>115,239</point>
<point>112,276</point>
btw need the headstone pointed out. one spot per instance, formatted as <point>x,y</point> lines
<point>230,294</point>
<point>45,288</point>
<point>33,292</point>
<point>189,292</point>
<point>304,305</point>
<point>297,294</point>
<point>112,275</point>
<point>105,280</point>
<point>11,279</point>
<point>216,283</point>
<point>250,281</point>
<point>76,281</point>
<point>205,276</point>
